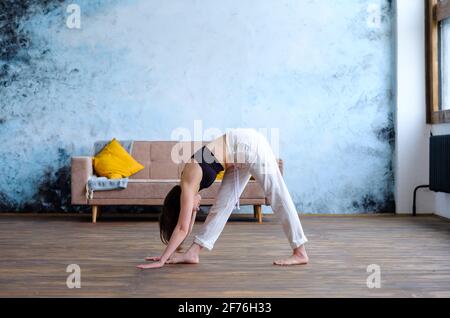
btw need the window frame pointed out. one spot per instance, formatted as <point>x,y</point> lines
<point>435,11</point>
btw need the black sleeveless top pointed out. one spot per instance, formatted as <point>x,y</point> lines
<point>210,166</point>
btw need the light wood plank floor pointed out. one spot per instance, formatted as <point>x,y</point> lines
<point>414,255</point>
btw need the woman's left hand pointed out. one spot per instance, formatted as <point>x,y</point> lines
<point>152,265</point>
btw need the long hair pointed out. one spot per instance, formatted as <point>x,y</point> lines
<point>168,219</point>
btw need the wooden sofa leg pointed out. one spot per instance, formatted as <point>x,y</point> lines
<point>94,213</point>
<point>257,211</point>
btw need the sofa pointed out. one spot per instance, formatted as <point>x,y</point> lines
<point>150,185</point>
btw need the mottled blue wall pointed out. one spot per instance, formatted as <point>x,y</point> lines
<point>318,70</point>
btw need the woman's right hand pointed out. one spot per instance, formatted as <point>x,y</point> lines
<point>152,265</point>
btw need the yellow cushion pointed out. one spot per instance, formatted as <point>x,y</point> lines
<point>114,162</point>
<point>220,175</point>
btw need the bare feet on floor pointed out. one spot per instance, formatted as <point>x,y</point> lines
<point>299,257</point>
<point>186,258</point>
<point>293,260</point>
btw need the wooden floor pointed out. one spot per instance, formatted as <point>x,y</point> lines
<point>413,253</point>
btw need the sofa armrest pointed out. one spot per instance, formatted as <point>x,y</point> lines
<point>81,170</point>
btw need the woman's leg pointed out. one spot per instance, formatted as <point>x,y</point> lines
<point>266,172</point>
<point>220,212</point>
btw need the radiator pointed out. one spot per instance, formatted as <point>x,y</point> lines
<point>439,167</point>
<point>440,164</point>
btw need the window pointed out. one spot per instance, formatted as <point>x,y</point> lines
<point>438,60</point>
<point>444,61</point>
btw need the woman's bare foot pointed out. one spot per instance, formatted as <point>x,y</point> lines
<point>293,260</point>
<point>186,258</point>
<point>191,256</point>
<point>299,257</point>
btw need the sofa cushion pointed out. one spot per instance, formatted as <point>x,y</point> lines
<point>141,152</point>
<point>140,189</point>
<point>158,189</point>
<point>156,156</point>
<point>253,190</point>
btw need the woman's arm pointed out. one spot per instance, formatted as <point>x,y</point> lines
<point>194,215</point>
<point>157,258</point>
<point>182,228</point>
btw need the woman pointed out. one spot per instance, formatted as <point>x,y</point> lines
<point>242,153</point>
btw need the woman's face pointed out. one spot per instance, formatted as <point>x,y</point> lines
<point>197,199</point>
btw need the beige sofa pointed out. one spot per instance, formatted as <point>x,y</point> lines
<point>150,185</point>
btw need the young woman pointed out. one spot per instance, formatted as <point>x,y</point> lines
<point>242,153</point>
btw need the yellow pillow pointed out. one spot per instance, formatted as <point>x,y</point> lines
<point>220,175</point>
<point>114,162</point>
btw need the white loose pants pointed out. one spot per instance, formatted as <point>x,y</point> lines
<point>252,156</point>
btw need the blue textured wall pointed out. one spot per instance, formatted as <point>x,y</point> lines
<point>138,69</point>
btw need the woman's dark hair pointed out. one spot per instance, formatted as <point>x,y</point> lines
<point>170,213</point>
